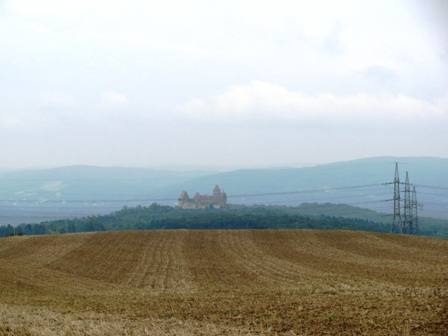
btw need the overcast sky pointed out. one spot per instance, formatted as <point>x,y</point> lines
<point>227,84</point>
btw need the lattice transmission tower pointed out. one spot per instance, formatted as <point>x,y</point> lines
<point>407,220</point>
<point>397,224</point>
<point>414,205</point>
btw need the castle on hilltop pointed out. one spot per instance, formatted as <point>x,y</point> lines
<point>217,200</point>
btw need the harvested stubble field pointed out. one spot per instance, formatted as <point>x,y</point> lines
<point>292,282</point>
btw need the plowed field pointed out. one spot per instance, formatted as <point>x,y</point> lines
<point>292,282</point>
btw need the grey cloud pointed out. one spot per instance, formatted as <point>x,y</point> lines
<point>435,15</point>
<point>79,84</point>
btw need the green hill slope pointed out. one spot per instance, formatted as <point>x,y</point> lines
<point>314,216</point>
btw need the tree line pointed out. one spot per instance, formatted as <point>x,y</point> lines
<point>158,216</point>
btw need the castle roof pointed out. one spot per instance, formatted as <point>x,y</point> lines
<point>217,199</point>
<point>184,195</point>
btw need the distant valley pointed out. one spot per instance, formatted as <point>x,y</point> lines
<point>47,194</point>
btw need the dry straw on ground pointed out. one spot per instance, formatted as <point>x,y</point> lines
<point>300,282</point>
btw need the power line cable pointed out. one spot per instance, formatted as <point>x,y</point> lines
<point>281,193</point>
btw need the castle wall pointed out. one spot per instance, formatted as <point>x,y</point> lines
<point>217,200</point>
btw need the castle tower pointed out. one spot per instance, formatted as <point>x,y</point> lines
<point>216,191</point>
<point>219,197</point>
<point>182,199</point>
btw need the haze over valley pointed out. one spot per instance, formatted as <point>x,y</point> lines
<point>239,167</point>
<point>32,196</point>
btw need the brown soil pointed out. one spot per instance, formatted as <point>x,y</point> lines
<point>286,282</point>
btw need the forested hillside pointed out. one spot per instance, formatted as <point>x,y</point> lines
<point>236,217</point>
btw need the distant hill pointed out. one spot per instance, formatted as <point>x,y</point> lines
<point>89,183</point>
<point>305,216</point>
<point>29,195</point>
<point>108,188</point>
<point>428,226</point>
<point>423,171</point>
<point>165,217</point>
<point>357,172</point>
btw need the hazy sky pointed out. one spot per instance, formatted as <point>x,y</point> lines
<point>228,83</point>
